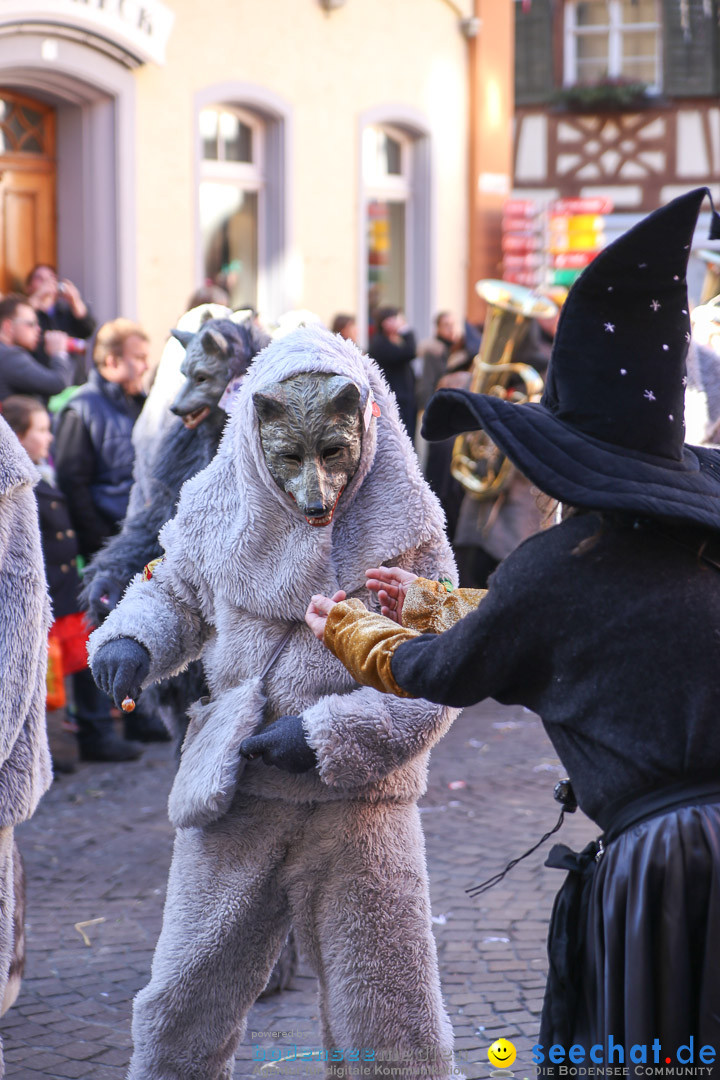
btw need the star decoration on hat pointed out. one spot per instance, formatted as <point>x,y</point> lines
<point>649,395</point>
<point>610,327</point>
<point>655,305</point>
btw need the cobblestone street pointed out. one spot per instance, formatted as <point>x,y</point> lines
<point>97,854</point>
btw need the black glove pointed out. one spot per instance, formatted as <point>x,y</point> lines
<point>282,744</point>
<point>120,667</point>
<point>102,596</point>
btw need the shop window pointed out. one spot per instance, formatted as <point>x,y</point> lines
<point>387,176</point>
<point>611,39</point>
<point>231,197</point>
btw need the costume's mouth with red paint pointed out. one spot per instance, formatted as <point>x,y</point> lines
<point>326,518</point>
<point>193,419</point>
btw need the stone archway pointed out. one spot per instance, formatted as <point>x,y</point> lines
<point>94,98</point>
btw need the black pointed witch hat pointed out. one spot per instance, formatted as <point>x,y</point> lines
<point>609,431</point>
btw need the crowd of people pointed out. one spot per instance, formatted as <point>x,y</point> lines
<point>86,461</point>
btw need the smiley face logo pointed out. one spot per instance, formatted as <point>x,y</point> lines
<point>502,1053</point>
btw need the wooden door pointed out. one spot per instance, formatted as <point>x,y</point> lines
<point>27,188</point>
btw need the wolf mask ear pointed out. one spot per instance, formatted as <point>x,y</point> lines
<point>343,396</point>
<point>268,407</point>
<point>183,336</point>
<point>214,342</point>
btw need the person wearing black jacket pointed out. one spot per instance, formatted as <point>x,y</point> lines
<point>607,626</point>
<point>393,348</point>
<point>93,447</point>
<point>20,372</point>
<point>60,308</point>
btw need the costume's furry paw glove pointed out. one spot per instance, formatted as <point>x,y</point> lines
<point>120,667</point>
<point>102,596</point>
<point>282,744</point>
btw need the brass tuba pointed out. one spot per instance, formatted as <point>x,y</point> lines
<point>481,468</point>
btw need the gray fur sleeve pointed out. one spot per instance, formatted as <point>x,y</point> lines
<point>363,736</point>
<point>163,614</point>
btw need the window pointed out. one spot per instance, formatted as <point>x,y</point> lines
<point>25,126</point>
<point>231,193</point>
<point>386,159</point>
<point>612,39</point>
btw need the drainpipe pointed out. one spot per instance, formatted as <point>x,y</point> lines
<point>491,74</point>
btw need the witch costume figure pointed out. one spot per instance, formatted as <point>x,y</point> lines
<point>607,626</point>
<point>295,798</point>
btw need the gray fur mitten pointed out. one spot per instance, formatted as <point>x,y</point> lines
<point>120,667</point>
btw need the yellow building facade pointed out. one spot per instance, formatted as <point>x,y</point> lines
<point>318,154</point>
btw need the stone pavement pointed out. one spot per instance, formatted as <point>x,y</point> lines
<point>97,854</point>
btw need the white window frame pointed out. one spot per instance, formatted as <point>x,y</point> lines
<point>243,175</point>
<point>416,188</point>
<point>614,30</point>
<point>397,188</point>
<point>277,289</point>
<point>393,187</point>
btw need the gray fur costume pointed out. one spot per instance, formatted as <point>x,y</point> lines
<point>337,851</point>
<point>25,768</point>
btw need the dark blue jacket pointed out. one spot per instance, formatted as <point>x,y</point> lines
<point>94,458</point>
<point>60,548</point>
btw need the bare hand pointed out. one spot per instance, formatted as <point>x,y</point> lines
<point>391,585</point>
<point>75,300</point>
<point>318,611</point>
<point>55,342</point>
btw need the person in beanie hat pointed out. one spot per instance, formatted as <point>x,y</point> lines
<point>606,625</point>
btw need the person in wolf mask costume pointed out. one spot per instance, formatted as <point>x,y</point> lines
<point>320,826</point>
<point>219,351</point>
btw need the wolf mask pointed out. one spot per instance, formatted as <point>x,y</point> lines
<point>311,435</point>
<point>220,350</point>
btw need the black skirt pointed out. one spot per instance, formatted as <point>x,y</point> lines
<point>634,947</point>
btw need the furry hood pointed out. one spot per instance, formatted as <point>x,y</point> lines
<point>246,535</point>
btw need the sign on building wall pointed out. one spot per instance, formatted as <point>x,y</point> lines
<point>551,243</point>
<point>140,28</point>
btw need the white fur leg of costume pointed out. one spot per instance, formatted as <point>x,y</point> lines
<point>352,878</point>
<point>226,919</point>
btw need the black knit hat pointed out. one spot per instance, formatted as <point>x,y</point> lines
<point>609,431</point>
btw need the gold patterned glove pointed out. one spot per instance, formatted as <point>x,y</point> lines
<point>364,642</point>
<point>429,607</point>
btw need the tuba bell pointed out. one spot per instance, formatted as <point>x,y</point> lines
<point>481,468</point>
